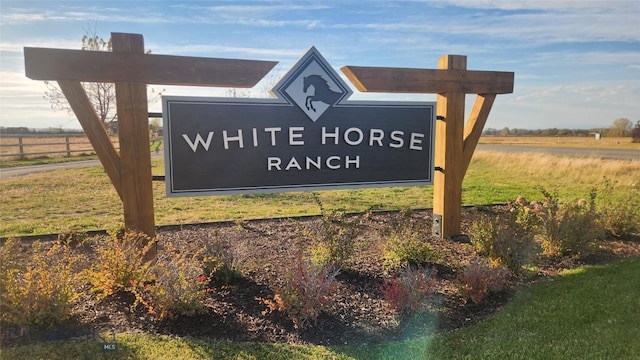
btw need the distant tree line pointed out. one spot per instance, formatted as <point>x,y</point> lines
<point>621,127</point>
<point>541,132</point>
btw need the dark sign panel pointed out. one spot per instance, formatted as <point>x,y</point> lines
<point>309,138</point>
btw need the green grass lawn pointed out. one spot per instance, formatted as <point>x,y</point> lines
<point>587,313</point>
<point>590,313</point>
<point>84,199</point>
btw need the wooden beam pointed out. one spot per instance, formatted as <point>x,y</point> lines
<point>447,182</point>
<point>135,153</point>
<point>473,129</point>
<point>423,81</point>
<point>92,126</point>
<point>103,66</point>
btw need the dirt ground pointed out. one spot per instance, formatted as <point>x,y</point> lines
<point>266,249</point>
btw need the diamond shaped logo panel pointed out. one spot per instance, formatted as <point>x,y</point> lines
<point>313,85</point>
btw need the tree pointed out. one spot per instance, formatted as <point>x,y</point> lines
<point>154,128</point>
<point>101,95</point>
<point>620,127</point>
<point>635,133</point>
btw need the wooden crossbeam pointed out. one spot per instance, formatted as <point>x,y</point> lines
<point>429,81</point>
<point>102,66</point>
<point>455,142</point>
<point>131,70</point>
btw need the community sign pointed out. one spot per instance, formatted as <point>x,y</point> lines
<point>309,137</point>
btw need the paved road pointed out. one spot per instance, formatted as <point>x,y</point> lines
<point>602,153</point>
<point>23,170</point>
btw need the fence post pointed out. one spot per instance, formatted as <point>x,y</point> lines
<point>66,138</point>
<point>21,146</point>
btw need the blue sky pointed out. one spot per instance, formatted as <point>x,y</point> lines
<point>576,63</point>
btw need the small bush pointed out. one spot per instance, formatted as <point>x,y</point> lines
<point>220,264</point>
<point>408,246</point>
<point>178,287</point>
<point>619,216</point>
<point>334,244</point>
<point>39,292</point>
<point>411,290</point>
<point>479,279</point>
<point>306,292</point>
<point>509,243</point>
<point>569,229</point>
<point>119,263</point>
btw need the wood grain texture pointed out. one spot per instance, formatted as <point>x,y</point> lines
<point>102,66</point>
<point>425,81</point>
<point>447,184</point>
<point>135,153</point>
<point>473,128</point>
<point>92,126</point>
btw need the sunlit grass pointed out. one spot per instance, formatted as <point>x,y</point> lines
<point>84,199</point>
<point>588,313</point>
<point>564,141</point>
<point>574,176</point>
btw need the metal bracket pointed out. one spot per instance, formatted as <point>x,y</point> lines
<point>437,225</point>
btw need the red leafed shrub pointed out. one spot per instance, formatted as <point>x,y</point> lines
<point>306,292</point>
<point>410,291</point>
<point>478,279</point>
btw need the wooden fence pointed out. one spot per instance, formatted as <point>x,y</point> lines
<point>14,147</point>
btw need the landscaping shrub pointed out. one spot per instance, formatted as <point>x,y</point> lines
<point>334,243</point>
<point>407,246</point>
<point>220,264</point>
<point>306,292</point>
<point>119,263</point>
<point>509,243</point>
<point>569,229</point>
<point>479,279</point>
<point>410,292</point>
<point>178,286</point>
<point>619,216</point>
<point>38,293</point>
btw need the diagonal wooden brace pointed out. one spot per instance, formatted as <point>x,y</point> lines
<point>455,142</point>
<point>131,70</point>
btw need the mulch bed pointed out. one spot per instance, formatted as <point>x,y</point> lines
<point>266,249</point>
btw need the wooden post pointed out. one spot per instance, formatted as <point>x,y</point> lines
<point>133,134</point>
<point>447,179</point>
<point>21,147</point>
<point>455,142</point>
<point>131,70</point>
<point>68,145</point>
<point>135,154</point>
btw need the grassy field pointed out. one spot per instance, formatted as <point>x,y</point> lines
<point>84,199</point>
<point>587,313</point>
<point>562,141</point>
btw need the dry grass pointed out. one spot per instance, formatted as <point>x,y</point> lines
<point>561,141</point>
<point>576,170</point>
<point>84,199</point>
